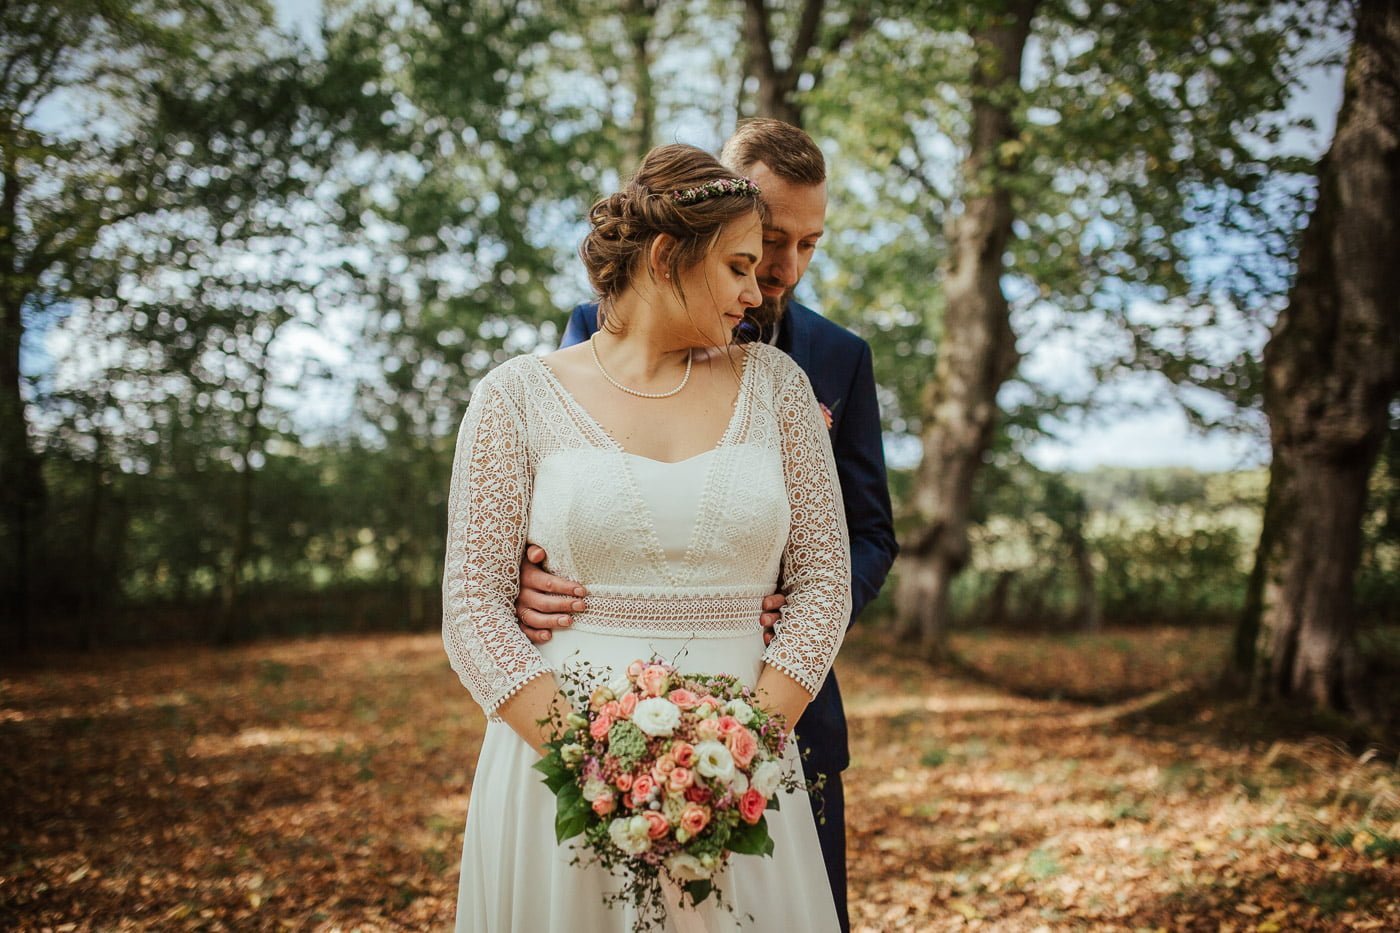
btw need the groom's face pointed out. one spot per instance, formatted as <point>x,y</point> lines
<point>796,219</point>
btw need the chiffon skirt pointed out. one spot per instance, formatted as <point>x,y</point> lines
<point>517,879</point>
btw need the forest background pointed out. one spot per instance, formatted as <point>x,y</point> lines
<point>1128,273</point>
<point>256,256</point>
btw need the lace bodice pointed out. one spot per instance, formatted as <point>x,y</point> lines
<point>532,464</point>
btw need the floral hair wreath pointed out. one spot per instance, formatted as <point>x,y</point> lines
<point>715,189</point>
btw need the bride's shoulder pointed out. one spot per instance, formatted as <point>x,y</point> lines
<point>772,363</point>
<point>512,376</point>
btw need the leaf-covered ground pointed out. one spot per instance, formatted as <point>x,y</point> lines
<point>323,785</point>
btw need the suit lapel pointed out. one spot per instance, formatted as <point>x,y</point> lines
<point>798,331</point>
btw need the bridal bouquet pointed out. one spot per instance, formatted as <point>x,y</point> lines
<point>665,777</point>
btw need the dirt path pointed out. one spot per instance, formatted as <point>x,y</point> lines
<point>323,785</point>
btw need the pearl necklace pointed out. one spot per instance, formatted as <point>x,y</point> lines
<point>689,359</point>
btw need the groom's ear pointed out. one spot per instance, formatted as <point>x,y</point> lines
<point>659,254</point>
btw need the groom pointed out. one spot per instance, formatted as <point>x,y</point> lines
<point>790,170</point>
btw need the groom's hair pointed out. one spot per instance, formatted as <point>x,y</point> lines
<point>787,151</point>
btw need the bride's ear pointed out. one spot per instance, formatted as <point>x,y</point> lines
<point>659,255</point>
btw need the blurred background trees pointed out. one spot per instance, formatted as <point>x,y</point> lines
<point>251,275</point>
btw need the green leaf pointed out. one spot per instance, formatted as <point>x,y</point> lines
<point>571,817</point>
<point>751,840</point>
<point>699,890</point>
<point>557,775</point>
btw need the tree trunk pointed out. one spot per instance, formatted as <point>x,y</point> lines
<point>21,482</point>
<point>997,614</point>
<point>1332,370</point>
<point>1088,618</point>
<point>95,560</point>
<point>978,350</point>
<point>235,621</point>
<point>639,18</point>
<point>777,84</point>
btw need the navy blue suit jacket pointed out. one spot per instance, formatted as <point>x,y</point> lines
<point>838,363</point>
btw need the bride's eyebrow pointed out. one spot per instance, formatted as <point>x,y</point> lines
<point>753,260</point>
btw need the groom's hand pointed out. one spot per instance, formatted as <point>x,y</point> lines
<point>771,614</point>
<point>545,600</point>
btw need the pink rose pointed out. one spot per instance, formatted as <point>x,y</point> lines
<point>623,781</point>
<point>684,753</point>
<point>728,725</point>
<point>627,705</point>
<point>698,793</point>
<point>654,679</point>
<point>656,825</point>
<point>707,730</point>
<point>634,669</point>
<point>685,699</point>
<point>610,709</point>
<point>751,806</point>
<point>664,766</point>
<point>712,703</point>
<point>642,786</point>
<point>680,778</point>
<point>743,746</point>
<point>694,818</point>
<point>604,804</point>
<point>599,727</point>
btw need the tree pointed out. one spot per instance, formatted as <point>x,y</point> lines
<point>1332,370</point>
<point>170,244</point>
<point>103,63</point>
<point>978,351</point>
<point>783,71</point>
<point>1059,192</point>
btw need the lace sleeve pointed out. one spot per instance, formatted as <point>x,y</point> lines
<point>487,513</point>
<point>817,558</point>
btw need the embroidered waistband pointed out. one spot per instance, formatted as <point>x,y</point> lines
<point>673,616</point>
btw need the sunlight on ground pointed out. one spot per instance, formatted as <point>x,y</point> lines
<point>323,784</point>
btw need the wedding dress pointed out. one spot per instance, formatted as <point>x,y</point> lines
<point>677,558</point>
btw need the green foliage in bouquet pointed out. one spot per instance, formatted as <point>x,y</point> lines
<point>664,776</point>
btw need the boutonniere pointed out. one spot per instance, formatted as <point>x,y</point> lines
<point>826,415</point>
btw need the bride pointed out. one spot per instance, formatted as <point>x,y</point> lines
<point>679,476</point>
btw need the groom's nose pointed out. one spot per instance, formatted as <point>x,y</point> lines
<point>782,268</point>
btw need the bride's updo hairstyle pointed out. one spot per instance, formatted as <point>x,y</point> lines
<point>678,190</point>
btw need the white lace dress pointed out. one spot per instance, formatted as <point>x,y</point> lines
<point>677,558</point>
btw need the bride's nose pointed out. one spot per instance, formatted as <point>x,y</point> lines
<point>749,295</point>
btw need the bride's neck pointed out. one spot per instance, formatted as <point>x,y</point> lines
<point>644,349</point>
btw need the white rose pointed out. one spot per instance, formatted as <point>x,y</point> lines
<point>657,716</point>
<point>766,777</point>
<point>620,685</point>
<point>685,868</point>
<point>713,760</point>
<point>593,788</point>
<point>739,783</point>
<point>571,753</point>
<point>630,834</point>
<point>740,711</point>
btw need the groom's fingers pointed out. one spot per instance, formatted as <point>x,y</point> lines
<point>771,614</point>
<point>533,578</point>
<point>539,621</point>
<point>547,603</point>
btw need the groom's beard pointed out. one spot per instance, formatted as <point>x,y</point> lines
<point>770,312</point>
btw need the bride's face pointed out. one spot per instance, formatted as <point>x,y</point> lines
<point>723,285</point>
